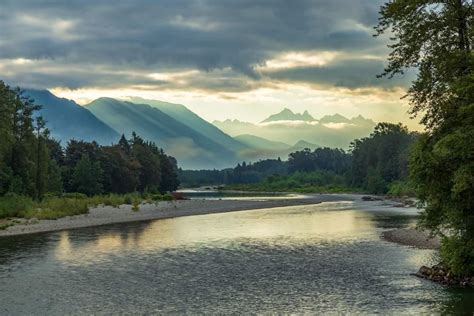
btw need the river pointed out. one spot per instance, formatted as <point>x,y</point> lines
<point>325,258</point>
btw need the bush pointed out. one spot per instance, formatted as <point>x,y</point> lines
<point>400,188</point>
<point>157,197</point>
<point>11,205</point>
<point>162,197</point>
<point>136,207</point>
<point>49,208</point>
<point>457,253</point>
<point>167,197</point>
<point>75,195</point>
<point>127,199</point>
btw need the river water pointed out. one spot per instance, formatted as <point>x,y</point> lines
<point>325,258</point>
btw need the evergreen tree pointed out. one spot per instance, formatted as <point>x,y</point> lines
<point>87,177</point>
<point>121,170</point>
<point>42,157</point>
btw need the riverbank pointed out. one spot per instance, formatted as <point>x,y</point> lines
<point>412,237</point>
<point>104,215</point>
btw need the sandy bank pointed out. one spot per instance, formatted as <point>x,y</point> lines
<point>109,215</point>
<point>412,237</point>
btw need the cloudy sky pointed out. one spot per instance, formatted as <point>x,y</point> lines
<point>242,59</point>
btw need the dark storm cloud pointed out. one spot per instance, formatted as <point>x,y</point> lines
<point>350,73</point>
<point>175,34</point>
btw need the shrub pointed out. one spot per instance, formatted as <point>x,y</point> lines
<point>400,188</point>
<point>11,205</point>
<point>167,197</point>
<point>127,199</point>
<point>74,195</point>
<point>457,253</point>
<point>136,207</point>
<point>53,208</point>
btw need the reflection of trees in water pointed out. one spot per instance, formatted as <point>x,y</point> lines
<point>16,248</point>
<point>395,221</point>
<point>459,302</point>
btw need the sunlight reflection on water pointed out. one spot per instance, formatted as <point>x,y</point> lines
<point>325,258</point>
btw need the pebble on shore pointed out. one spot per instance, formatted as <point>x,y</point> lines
<point>412,237</point>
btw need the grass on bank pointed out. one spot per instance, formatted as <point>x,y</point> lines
<point>319,182</point>
<point>69,204</point>
<point>300,182</point>
<point>259,187</point>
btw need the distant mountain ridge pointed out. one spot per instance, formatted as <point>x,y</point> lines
<point>260,142</point>
<point>182,114</point>
<point>287,127</point>
<point>196,143</point>
<point>288,115</point>
<point>335,118</point>
<point>193,149</point>
<point>68,120</point>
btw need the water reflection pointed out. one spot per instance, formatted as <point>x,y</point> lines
<point>284,226</point>
<point>319,259</point>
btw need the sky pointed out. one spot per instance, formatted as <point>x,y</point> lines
<point>239,59</point>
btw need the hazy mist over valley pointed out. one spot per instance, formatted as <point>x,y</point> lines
<point>195,142</point>
<point>248,157</point>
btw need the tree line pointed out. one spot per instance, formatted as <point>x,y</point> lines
<point>374,164</point>
<point>436,38</point>
<point>34,164</point>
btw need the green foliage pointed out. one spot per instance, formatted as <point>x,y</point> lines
<point>335,160</point>
<point>436,37</point>
<point>401,189</point>
<point>162,197</point>
<point>13,205</point>
<point>457,253</point>
<point>167,197</point>
<point>381,158</point>
<point>35,170</point>
<point>136,206</point>
<point>87,177</point>
<point>53,208</point>
<point>127,199</point>
<point>316,181</point>
<point>74,195</point>
<point>374,163</point>
<point>54,183</point>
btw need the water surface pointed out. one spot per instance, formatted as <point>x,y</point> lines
<point>325,258</point>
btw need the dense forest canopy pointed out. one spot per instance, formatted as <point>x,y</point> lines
<point>33,164</point>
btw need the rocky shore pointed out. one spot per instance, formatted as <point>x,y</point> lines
<point>438,273</point>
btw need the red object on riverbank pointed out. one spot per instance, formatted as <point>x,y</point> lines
<point>178,196</point>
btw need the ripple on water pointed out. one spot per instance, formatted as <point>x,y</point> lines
<point>324,258</point>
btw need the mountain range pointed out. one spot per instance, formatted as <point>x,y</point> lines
<point>196,143</point>
<point>192,147</point>
<point>288,115</point>
<point>289,127</point>
<point>68,120</point>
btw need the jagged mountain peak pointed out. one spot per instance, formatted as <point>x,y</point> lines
<point>288,115</point>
